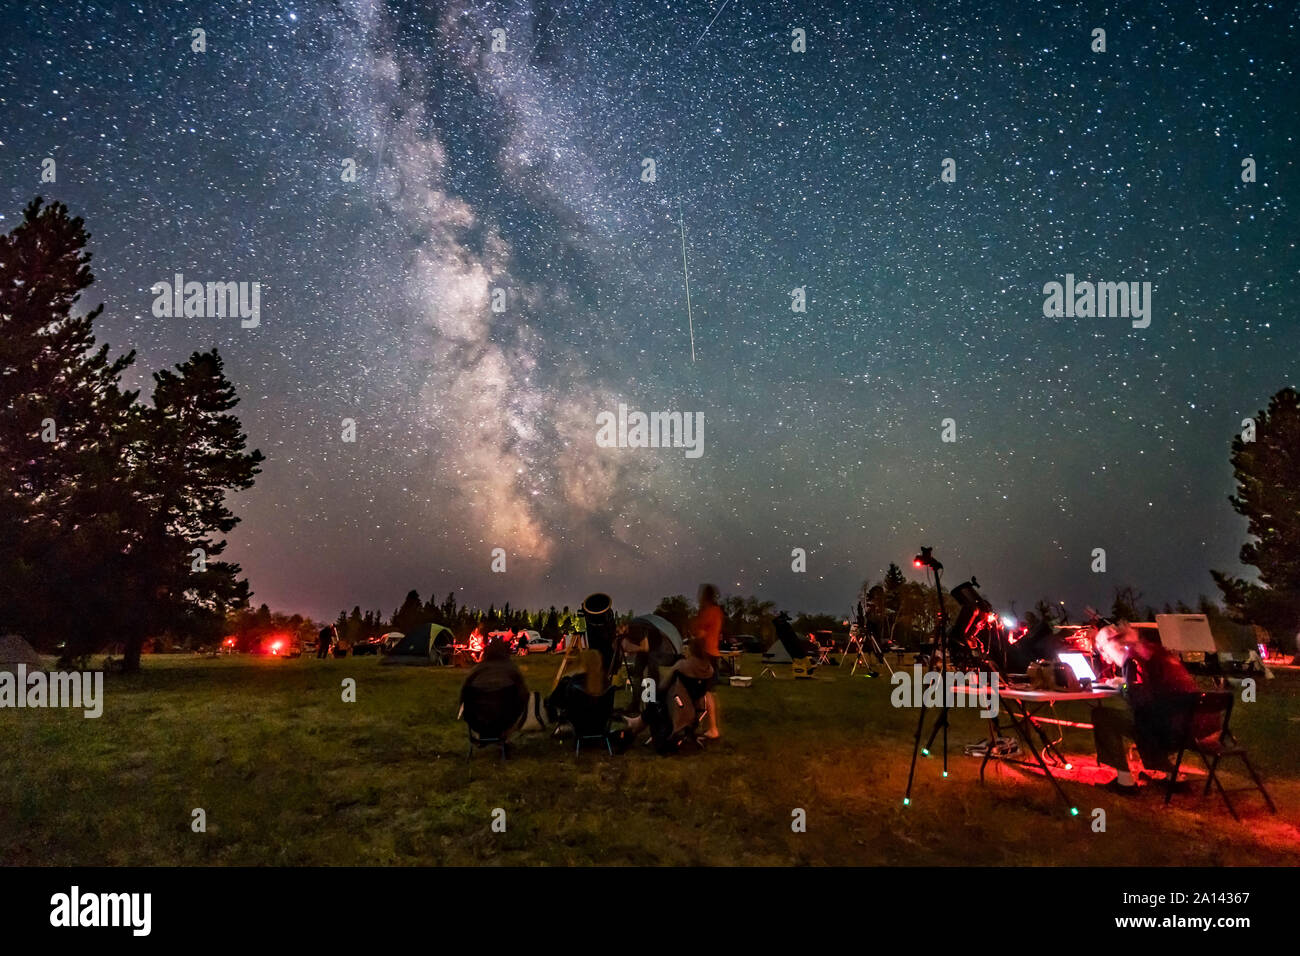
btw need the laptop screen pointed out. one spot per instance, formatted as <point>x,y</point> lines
<point>1079,664</point>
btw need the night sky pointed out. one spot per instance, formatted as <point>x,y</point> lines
<point>821,170</point>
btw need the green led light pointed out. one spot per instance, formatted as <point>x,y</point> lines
<point>925,753</point>
<point>907,801</point>
<point>1074,811</point>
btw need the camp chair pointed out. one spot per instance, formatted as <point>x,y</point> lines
<point>697,691</point>
<point>441,649</point>
<point>489,715</point>
<point>1214,748</point>
<point>590,716</point>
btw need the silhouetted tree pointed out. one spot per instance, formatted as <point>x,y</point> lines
<point>893,587</point>
<point>1125,605</point>
<point>187,454</point>
<point>63,431</point>
<point>1267,471</point>
<point>677,610</point>
<point>407,617</point>
<point>551,629</point>
<point>110,511</point>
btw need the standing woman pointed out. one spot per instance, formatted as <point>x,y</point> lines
<point>706,629</point>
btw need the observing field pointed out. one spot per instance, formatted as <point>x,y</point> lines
<point>290,775</point>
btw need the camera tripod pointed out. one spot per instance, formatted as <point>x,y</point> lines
<point>855,641</point>
<point>926,559</point>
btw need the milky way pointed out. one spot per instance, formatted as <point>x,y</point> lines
<point>521,170</point>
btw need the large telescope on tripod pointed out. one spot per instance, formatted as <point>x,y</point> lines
<point>598,611</point>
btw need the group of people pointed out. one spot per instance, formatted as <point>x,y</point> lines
<point>668,703</point>
<point>1152,709</point>
<point>674,702</point>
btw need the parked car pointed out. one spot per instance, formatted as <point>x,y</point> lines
<point>370,646</point>
<point>532,642</point>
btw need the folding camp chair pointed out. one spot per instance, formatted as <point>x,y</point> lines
<point>489,715</point>
<point>696,690</point>
<point>590,716</point>
<point>1214,748</point>
<point>440,655</point>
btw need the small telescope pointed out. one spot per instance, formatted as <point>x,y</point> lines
<point>927,560</point>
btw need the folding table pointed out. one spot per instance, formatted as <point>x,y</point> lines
<point>1025,708</point>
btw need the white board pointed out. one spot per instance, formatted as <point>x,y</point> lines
<point>1186,632</point>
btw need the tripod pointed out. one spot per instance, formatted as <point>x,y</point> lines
<point>855,640</point>
<point>942,723</point>
<point>576,639</point>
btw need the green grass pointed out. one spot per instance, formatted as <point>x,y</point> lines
<point>290,775</point>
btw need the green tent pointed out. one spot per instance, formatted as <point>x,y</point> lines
<point>426,644</point>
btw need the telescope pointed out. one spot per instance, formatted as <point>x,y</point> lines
<point>598,612</point>
<point>926,559</point>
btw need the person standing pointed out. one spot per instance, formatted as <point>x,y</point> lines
<point>706,629</point>
<point>323,642</point>
<point>706,626</point>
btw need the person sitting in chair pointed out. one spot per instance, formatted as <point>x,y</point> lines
<point>495,672</point>
<point>590,681</point>
<point>680,700</point>
<point>1155,688</point>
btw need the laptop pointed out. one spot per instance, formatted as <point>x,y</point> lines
<point>1079,664</point>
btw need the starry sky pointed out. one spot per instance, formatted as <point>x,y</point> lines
<point>522,170</point>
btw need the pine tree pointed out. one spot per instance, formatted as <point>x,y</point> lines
<point>63,422</point>
<point>408,616</point>
<point>188,454</point>
<point>110,511</point>
<point>352,631</point>
<point>893,585</point>
<point>551,627</point>
<point>1267,471</point>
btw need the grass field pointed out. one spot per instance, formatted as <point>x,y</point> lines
<point>289,775</point>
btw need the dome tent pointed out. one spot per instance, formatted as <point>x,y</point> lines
<point>426,644</point>
<point>14,651</point>
<point>663,639</point>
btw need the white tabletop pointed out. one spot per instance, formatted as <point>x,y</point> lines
<point>1096,693</point>
<point>1100,692</point>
